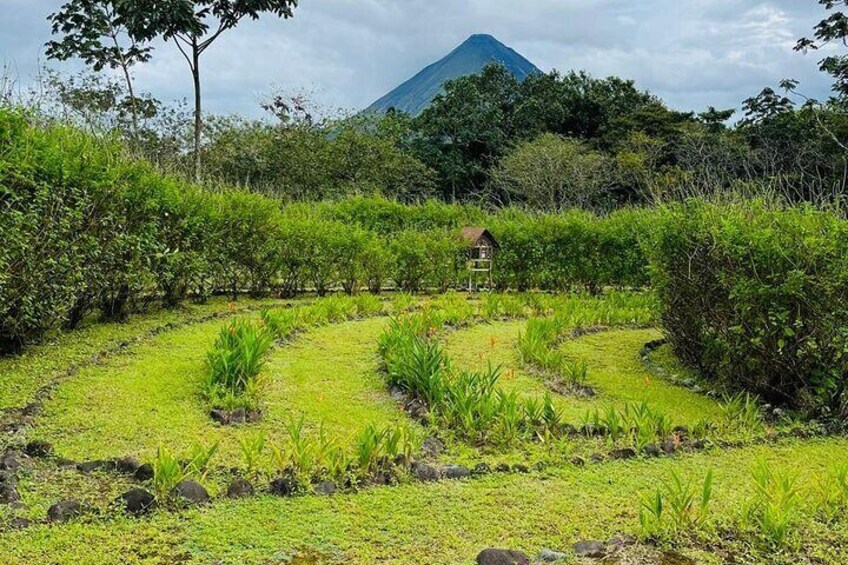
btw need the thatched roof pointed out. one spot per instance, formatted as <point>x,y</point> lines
<point>474,235</point>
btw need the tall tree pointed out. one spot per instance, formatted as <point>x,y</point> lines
<point>193,26</point>
<point>96,32</point>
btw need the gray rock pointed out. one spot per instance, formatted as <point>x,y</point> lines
<point>137,502</point>
<point>457,472</point>
<point>502,557</point>
<point>325,487</point>
<point>220,416</point>
<point>669,447</point>
<point>520,468</point>
<point>19,523</point>
<point>238,416</point>
<point>432,447</point>
<point>64,511</point>
<point>578,461</point>
<point>596,458</point>
<point>426,473</point>
<point>38,448</point>
<point>551,556</point>
<point>652,450</point>
<point>624,453</point>
<point>144,472</point>
<point>10,462</point>
<point>127,465</point>
<point>283,486</point>
<point>503,468</point>
<point>481,469</point>
<point>591,549</point>
<point>8,494</point>
<point>397,394</point>
<point>240,488</point>
<point>91,466</point>
<point>192,492</point>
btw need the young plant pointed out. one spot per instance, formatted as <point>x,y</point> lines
<point>167,474</point>
<point>234,364</point>
<point>252,448</point>
<point>775,505</point>
<point>677,506</point>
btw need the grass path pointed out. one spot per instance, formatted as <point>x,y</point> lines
<point>151,397</point>
<point>446,523</point>
<point>615,370</point>
<point>22,375</point>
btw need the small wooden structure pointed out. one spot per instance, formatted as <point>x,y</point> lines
<point>482,248</point>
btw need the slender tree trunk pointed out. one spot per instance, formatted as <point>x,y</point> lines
<point>133,102</point>
<point>198,116</point>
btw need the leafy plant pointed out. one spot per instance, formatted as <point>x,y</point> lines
<point>234,364</point>
<point>775,505</point>
<point>677,506</point>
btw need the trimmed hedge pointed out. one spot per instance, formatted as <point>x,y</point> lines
<point>756,298</point>
<point>86,229</point>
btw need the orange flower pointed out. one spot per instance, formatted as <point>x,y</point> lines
<point>232,307</point>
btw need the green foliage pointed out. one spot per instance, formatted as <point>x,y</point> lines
<point>775,505</point>
<point>234,364</point>
<point>754,297</point>
<point>677,507</point>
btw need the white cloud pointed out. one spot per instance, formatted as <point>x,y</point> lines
<point>350,52</point>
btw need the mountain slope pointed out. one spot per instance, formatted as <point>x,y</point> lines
<point>476,52</point>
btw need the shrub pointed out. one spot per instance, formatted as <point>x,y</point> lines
<point>234,365</point>
<point>756,298</point>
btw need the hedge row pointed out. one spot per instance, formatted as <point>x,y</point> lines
<point>757,298</point>
<point>86,229</point>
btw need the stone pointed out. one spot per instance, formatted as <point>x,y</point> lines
<point>624,453</point>
<point>38,448</point>
<point>8,478</point>
<point>590,549</point>
<point>669,447</point>
<point>502,468</point>
<point>283,486</point>
<point>417,410</point>
<point>127,465</point>
<point>238,416</point>
<point>578,461</point>
<point>397,394</point>
<point>64,511</point>
<point>253,416</point>
<point>502,557</point>
<point>137,502</point>
<point>698,445</point>
<point>432,447</point>
<point>426,473</point>
<point>596,458</point>
<point>220,416</point>
<point>31,409</point>
<point>144,472</point>
<point>551,556</point>
<point>652,450</point>
<point>457,472</point>
<point>92,466</point>
<point>481,469</point>
<point>325,488</point>
<point>192,492</point>
<point>8,494</point>
<point>520,468</point>
<point>240,488</point>
<point>20,523</point>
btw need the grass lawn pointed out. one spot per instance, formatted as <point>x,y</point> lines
<point>151,397</point>
<point>447,522</point>
<point>616,372</point>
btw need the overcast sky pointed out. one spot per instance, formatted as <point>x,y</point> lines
<point>692,53</point>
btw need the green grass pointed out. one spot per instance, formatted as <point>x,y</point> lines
<point>438,523</point>
<point>22,375</point>
<point>153,397</point>
<point>616,372</point>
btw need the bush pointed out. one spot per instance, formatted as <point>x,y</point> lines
<point>756,298</point>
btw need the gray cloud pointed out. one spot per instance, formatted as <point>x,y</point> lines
<point>692,53</point>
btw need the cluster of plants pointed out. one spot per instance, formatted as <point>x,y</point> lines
<point>638,424</point>
<point>304,457</point>
<point>234,364</point>
<point>754,296</point>
<point>467,403</point>
<point>774,510</point>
